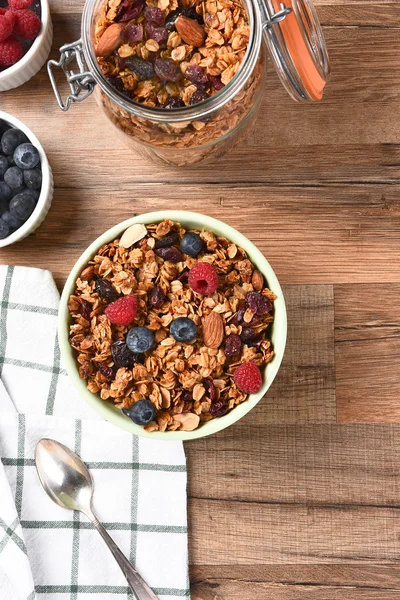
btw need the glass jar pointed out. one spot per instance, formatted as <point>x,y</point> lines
<point>193,134</point>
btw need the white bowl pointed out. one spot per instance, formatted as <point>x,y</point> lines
<point>34,59</point>
<point>46,194</point>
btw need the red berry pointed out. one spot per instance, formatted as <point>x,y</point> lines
<point>203,278</point>
<point>27,24</point>
<point>7,20</point>
<point>19,4</point>
<point>248,378</point>
<point>123,310</point>
<point>11,51</point>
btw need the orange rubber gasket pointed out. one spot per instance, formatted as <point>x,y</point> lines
<point>300,53</point>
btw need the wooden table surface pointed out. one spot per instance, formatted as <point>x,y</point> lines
<point>300,500</point>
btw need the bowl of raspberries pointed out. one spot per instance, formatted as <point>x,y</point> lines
<point>26,181</point>
<point>26,35</point>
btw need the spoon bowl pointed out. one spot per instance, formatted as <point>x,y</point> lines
<point>63,476</point>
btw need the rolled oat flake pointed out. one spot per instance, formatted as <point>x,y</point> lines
<point>199,112</point>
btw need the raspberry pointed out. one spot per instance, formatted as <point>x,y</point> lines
<point>248,378</point>
<point>19,4</point>
<point>27,24</point>
<point>11,51</point>
<point>123,310</point>
<point>203,278</point>
<point>7,20</point>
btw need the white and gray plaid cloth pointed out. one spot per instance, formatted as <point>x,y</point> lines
<point>46,552</point>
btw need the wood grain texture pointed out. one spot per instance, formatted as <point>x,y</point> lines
<point>286,504</point>
<point>367,336</point>
<point>292,582</point>
<point>295,494</point>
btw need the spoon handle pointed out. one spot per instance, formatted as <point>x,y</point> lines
<point>138,585</point>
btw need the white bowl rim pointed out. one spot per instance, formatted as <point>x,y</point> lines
<point>21,64</point>
<point>114,415</point>
<point>46,179</point>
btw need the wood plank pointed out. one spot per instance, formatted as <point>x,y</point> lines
<point>293,582</point>
<point>367,334</point>
<point>304,390</point>
<point>295,494</point>
<point>310,235</point>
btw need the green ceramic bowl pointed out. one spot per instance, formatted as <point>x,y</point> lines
<point>278,330</point>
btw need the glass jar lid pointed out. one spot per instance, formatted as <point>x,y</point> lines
<point>297,46</point>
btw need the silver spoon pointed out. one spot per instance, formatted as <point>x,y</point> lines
<point>69,484</point>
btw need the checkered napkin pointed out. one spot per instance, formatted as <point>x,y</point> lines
<point>46,552</point>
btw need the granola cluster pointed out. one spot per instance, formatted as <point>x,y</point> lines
<point>171,53</point>
<point>186,382</point>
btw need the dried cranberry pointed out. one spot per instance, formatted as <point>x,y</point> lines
<point>133,13</point>
<point>233,345</point>
<point>184,276</point>
<point>216,82</point>
<point>121,355</point>
<point>255,321</point>
<point>219,408</point>
<point>154,15</point>
<point>238,317</point>
<point>85,309</point>
<point>134,33</point>
<point>211,392</point>
<point>197,75</point>
<point>156,297</point>
<point>142,68</point>
<point>122,8</point>
<point>198,96</point>
<point>171,254</point>
<point>105,290</point>
<point>187,396</point>
<point>259,304</point>
<point>170,239</point>
<point>117,83</point>
<point>108,372</point>
<point>167,70</point>
<point>248,334</point>
<point>158,34</point>
<point>173,102</point>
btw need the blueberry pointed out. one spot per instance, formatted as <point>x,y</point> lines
<point>5,192</point>
<point>22,206</point>
<point>191,244</point>
<point>183,329</point>
<point>140,339</point>
<point>34,193</point>
<point>33,178</point>
<point>4,230</point>
<point>26,156</point>
<point>12,222</point>
<point>3,165</point>
<point>14,178</point>
<point>142,412</point>
<point>11,139</point>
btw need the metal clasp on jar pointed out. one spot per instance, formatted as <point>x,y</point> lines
<point>80,83</point>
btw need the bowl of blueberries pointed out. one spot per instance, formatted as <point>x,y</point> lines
<point>26,181</point>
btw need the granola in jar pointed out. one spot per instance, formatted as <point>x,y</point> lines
<point>171,325</point>
<point>171,53</point>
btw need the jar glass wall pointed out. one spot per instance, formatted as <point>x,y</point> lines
<point>191,134</point>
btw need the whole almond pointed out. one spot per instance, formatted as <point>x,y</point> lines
<point>88,273</point>
<point>213,330</point>
<point>110,40</point>
<point>190,31</point>
<point>188,421</point>
<point>257,281</point>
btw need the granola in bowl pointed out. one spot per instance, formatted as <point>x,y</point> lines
<point>171,325</point>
